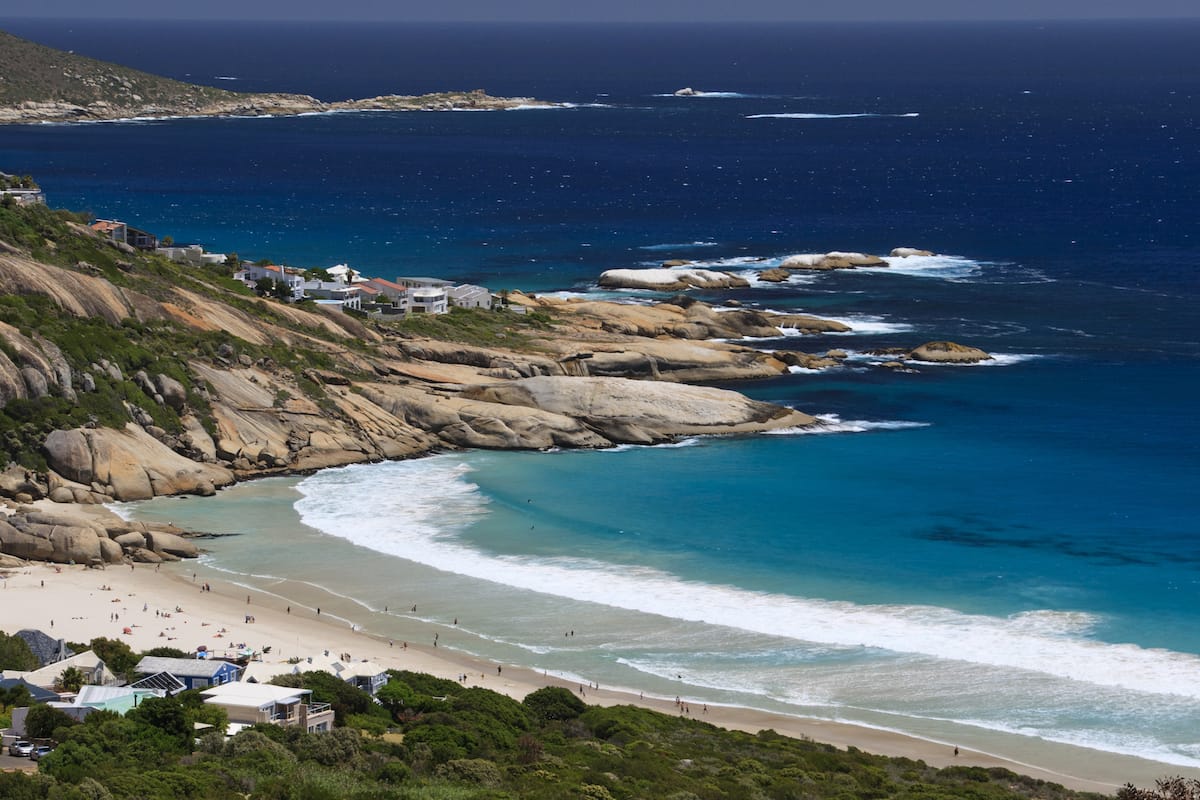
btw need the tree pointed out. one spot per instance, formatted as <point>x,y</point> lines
<point>167,241</point>
<point>72,679</point>
<point>168,715</point>
<point>1175,788</point>
<point>42,721</point>
<point>554,703</point>
<point>167,652</point>
<point>15,654</point>
<point>118,656</point>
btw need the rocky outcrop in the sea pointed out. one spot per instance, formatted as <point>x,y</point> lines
<point>832,260</point>
<point>64,537</point>
<point>906,252</point>
<point>675,279</point>
<point>949,353</point>
<point>642,412</point>
<point>932,353</point>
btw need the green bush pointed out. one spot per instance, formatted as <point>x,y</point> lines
<point>554,703</point>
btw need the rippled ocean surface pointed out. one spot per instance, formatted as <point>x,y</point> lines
<point>1001,556</point>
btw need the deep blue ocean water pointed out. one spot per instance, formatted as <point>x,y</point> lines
<point>969,551</point>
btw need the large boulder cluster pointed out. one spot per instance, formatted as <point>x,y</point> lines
<point>99,540</point>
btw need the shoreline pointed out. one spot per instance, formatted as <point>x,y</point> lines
<point>69,601</point>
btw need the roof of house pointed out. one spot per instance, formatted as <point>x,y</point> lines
<point>183,667</point>
<point>113,698</point>
<point>385,285</point>
<point>240,693</point>
<point>423,281</point>
<point>47,649</point>
<point>106,225</point>
<point>87,662</point>
<point>364,669</point>
<point>161,682</point>
<point>36,693</point>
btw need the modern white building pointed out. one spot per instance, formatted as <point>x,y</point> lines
<point>334,293</point>
<point>250,703</point>
<point>251,274</point>
<point>191,254</point>
<point>427,300</point>
<point>469,296</point>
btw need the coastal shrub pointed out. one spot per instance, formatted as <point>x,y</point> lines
<point>166,652</point>
<point>168,716</point>
<point>426,684</point>
<point>43,722</point>
<point>502,708</point>
<point>118,655</point>
<point>16,655</point>
<point>444,742</point>
<point>394,772</point>
<point>554,703</point>
<point>370,724</point>
<point>477,771</point>
<point>338,746</point>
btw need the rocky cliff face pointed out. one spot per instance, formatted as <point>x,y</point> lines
<point>381,396</point>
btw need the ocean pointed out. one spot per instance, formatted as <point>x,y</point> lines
<point>1003,556</point>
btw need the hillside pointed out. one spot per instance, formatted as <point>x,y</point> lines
<point>30,72</point>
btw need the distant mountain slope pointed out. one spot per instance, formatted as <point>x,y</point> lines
<point>30,72</point>
<point>42,84</point>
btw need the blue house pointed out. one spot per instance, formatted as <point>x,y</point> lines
<point>193,673</point>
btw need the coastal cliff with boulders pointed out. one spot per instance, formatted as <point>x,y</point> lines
<point>124,376</point>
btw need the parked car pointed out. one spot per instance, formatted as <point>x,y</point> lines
<point>20,748</point>
<point>41,750</point>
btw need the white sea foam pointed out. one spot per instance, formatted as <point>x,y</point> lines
<point>997,360</point>
<point>832,423</point>
<point>711,95</point>
<point>944,267</point>
<point>681,246</point>
<point>800,115</point>
<point>860,325</point>
<point>546,106</point>
<point>124,510</point>
<point>420,507</point>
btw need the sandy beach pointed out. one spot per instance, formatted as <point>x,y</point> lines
<point>148,606</point>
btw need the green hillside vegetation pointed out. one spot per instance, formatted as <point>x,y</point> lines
<point>433,739</point>
<point>34,72</point>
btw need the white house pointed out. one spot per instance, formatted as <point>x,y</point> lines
<point>191,254</point>
<point>91,665</point>
<point>251,274</point>
<point>469,296</point>
<point>427,300</point>
<point>250,703</point>
<point>334,293</point>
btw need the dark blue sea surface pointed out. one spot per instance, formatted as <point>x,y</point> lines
<point>1030,526</point>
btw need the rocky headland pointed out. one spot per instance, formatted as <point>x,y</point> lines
<point>42,84</point>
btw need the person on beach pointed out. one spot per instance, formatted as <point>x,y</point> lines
<point>956,750</point>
